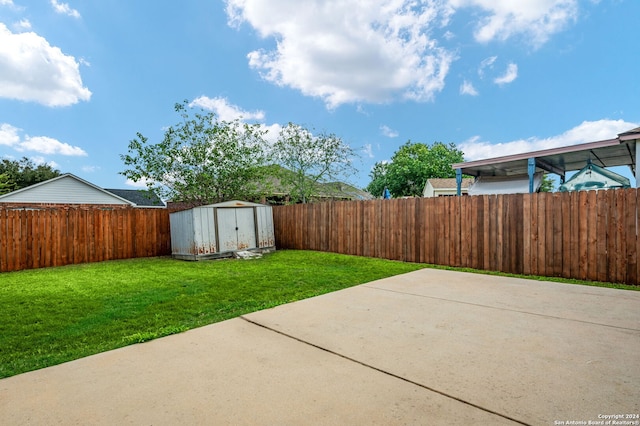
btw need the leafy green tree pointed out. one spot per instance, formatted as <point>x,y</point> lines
<point>547,184</point>
<point>312,158</point>
<point>24,172</point>
<point>410,167</point>
<point>5,184</point>
<point>200,160</point>
<point>379,179</point>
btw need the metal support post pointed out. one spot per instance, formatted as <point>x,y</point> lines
<point>531,163</point>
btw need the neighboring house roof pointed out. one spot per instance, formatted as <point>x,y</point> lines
<point>342,190</point>
<point>70,189</point>
<point>633,132</point>
<point>327,190</point>
<point>594,177</point>
<point>274,190</point>
<point>140,197</point>
<point>449,183</point>
<point>64,189</point>
<point>445,186</point>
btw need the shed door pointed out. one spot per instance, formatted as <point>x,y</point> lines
<point>236,229</point>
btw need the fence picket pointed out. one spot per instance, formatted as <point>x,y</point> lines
<point>631,230</point>
<point>574,215</point>
<point>603,234</point>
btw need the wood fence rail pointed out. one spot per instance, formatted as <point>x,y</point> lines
<point>587,235</point>
<point>61,236</point>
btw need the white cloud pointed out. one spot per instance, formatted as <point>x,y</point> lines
<point>90,169</point>
<point>388,132</point>
<point>38,160</point>
<point>142,183</point>
<point>360,110</point>
<point>587,131</point>
<point>378,51</point>
<point>349,51</point>
<point>10,136</point>
<point>368,151</point>
<point>64,9</point>
<point>537,20</point>
<point>224,110</point>
<point>47,145</point>
<point>487,66</point>
<point>486,63</point>
<point>273,131</point>
<point>23,24</point>
<point>6,2</point>
<point>466,88</point>
<point>509,75</point>
<point>33,70</point>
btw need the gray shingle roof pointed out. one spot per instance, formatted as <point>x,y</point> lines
<point>140,197</point>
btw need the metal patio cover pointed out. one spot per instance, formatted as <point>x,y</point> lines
<point>621,151</point>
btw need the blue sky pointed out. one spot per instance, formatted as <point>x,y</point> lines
<point>78,79</point>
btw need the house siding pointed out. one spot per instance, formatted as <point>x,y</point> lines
<point>438,187</point>
<point>66,190</point>
<point>428,190</point>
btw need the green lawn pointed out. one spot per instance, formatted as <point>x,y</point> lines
<point>49,316</point>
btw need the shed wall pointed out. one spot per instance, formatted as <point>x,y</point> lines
<point>204,231</point>
<point>182,233</point>
<point>264,224</point>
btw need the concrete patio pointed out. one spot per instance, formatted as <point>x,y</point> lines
<point>429,347</point>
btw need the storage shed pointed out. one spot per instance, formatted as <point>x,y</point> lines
<point>218,230</point>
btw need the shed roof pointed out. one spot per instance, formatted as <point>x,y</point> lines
<point>620,151</point>
<point>234,203</point>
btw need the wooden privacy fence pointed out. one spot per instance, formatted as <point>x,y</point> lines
<point>587,235</point>
<point>62,236</point>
